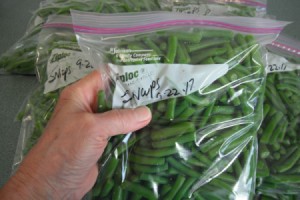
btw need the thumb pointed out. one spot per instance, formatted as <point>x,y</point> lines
<point>122,121</point>
<point>82,95</point>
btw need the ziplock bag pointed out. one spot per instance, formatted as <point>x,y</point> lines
<point>20,58</point>
<point>60,62</point>
<point>53,64</point>
<point>246,8</point>
<point>203,79</point>
<point>279,136</point>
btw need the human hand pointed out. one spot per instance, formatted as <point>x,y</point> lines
<point>63,164</point>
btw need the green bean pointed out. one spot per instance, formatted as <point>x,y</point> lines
<point>232,76</point>
<point>177,129</point>
<point>288,81</point>
<point>237,168</point>
<point>149,168</point>
<point>161,106</point>
<point>270,128</point>
<point>279,132</point>
<point>267,108</point>
<point>172,49</point>
<point>289,163</point>
<point>117,193</point>
<point>202,158</point>
<point>195,162</point>
<point>152,45</point>
<point>175,188</point>
<point>274,98</point>
<point>138,189</point>
<point>165,189</point>
<point>182,106</point>
<point>155,152</point>
<point>206,44</point>
<point>239,38</point>
<point>198,196</point>
<point>154,178</point>
<point>187,37</point>
<point>275,146</point>
<point>290,151</point>
<point>289,77</point>
<point>287,87</point>
<point>197,100</point>
<point>223,110</point>
<point>227,177</point>
<point>264,151</point>
<point>163,46</point>
<point>182,168</point>
<point>189,137</point>
<point>276,155</point>
<point>206,115</point>
<point>135,196</point>
<point>223,80</point>
<point>183,56</point>
<point>286,178</point>
<point>96,190</point>
<point>216,119</point>
<point>184,189</point>
<point>219,60</point>
<point>170,113</point>
<point>295,170</point>
<point>102,106</point>
<point>221,184</point>
<point>108,186</point>
<point>111,166</point>
<point>198,57</point>
<point>121,148</point>
<point>262,169</point>
<point>187,113</point>
<point>146,160</point>
<point>216,142</point>
<point>236,141</point>
<point>282,150</point>
<point>172,171</point>
<point>208,61</point>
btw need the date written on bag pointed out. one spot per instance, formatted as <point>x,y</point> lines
<point>65,67</point>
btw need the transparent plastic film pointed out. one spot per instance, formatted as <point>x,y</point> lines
<point>60,62</point>
<point>247,8</point>
<point>34,117</point>
<point>278,164</point>
<point>20,57</point>
<point>201,142</point>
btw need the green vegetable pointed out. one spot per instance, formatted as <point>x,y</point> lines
<point>175,188</point>
<point>279,139</point>
<point>166,158</point>
<point>189,135</point>
<point>20,58</point>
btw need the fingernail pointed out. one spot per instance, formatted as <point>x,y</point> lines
<point>143,113</point>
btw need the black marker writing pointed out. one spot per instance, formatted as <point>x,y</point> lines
<point>60,73</point>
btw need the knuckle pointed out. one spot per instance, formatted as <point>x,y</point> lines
<point>66,93</point>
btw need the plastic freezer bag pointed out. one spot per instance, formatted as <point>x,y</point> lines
<point>60,62</point>
<point>246,8</point>
<point>279,139</point>
<point>25,48</point>
<point>20,58</point>
<point>203,79</point>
